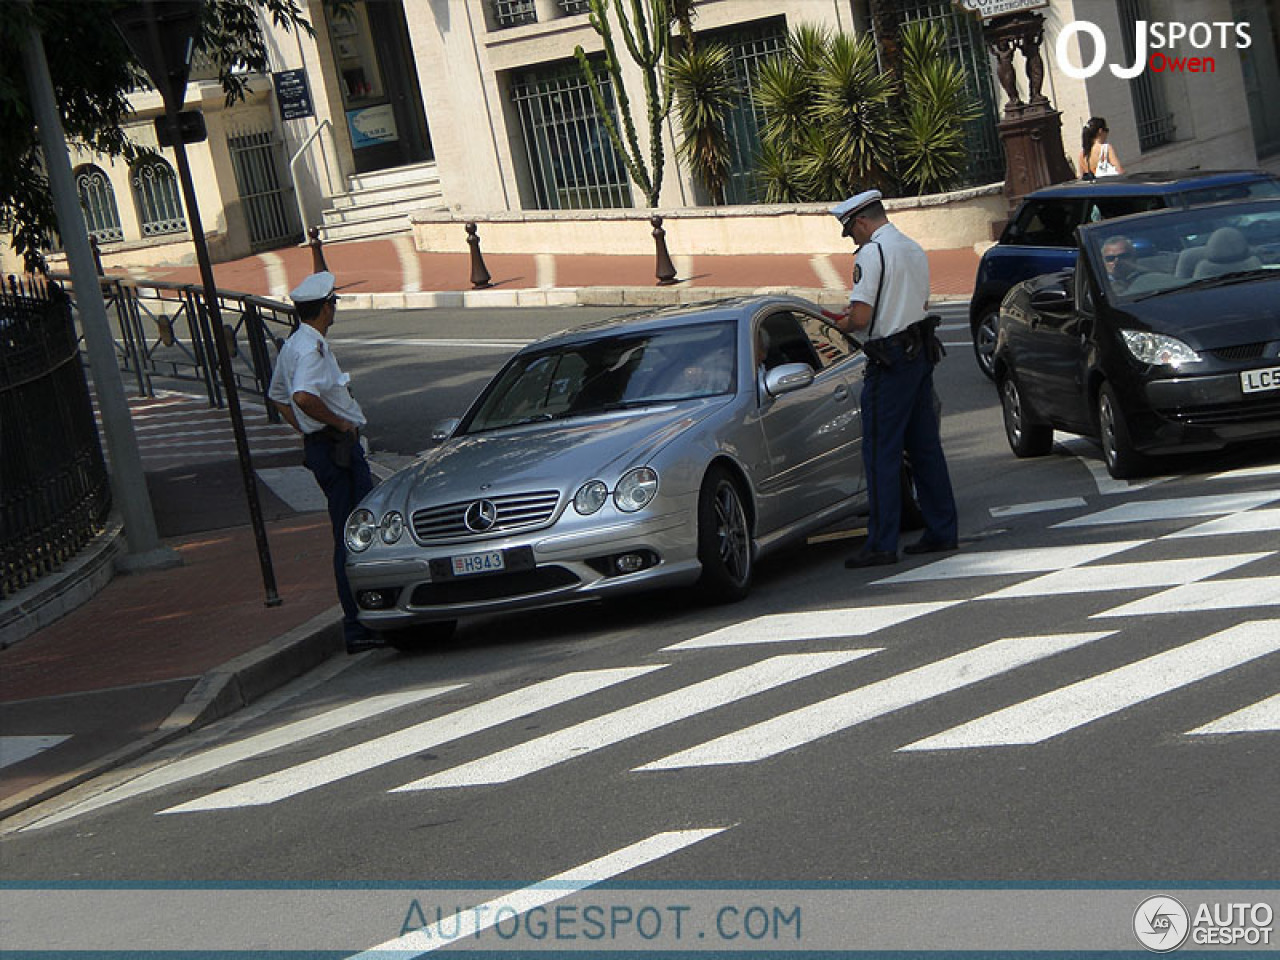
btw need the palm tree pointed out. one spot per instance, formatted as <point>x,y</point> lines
<point>854,108</point>
<point>938,105</point>
<point>705,93</point>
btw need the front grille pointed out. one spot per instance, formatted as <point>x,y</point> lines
<point>1246,351</point>
<point>495,587</point>
<point>517,511</point>
<point>1225,414</point>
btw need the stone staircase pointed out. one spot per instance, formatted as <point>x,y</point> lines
<point>378,204</point>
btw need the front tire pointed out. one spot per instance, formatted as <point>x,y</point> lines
<point>420,636</point>
<point>724,538</point>
<point>984,340</point>
<point>1123,461</point>
<point>1026,438</point>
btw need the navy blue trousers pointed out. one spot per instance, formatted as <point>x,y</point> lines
<point>898,414</point>
<point>343,490</point>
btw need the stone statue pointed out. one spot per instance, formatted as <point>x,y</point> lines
<point>1005,73</point>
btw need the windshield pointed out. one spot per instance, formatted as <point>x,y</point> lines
<point>618,372</point>
<point>1200,247</point>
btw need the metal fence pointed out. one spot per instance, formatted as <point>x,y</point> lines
<point>255,160</point>
<point>55,493</point>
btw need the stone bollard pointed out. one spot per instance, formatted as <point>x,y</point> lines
<point>479,272</point>
<point>317,251</point>
<point>666,270</point>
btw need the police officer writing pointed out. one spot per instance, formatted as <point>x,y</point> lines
<point>886,314</point>
<point>314,396</point>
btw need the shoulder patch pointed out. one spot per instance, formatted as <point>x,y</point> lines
<point>320,347</point>
<point>857,273</point>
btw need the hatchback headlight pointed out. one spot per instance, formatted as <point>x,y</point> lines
<point>590,497</point>
<point>636,489</point>
<point>1157,349</point>
<point>361,529</point>
<point>391,528</point>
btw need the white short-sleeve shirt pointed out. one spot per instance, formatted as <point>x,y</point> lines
<point>307,365</point>
<point>904,295</point>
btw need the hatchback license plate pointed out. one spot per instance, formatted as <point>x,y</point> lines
<point>1256,381</point>
<point>471,563</point>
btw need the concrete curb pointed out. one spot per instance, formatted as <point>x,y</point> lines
<point>217,694</point>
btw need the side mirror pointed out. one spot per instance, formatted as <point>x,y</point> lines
<point>442,430</point>
<point>788,378</point>
<point>1055,301</point>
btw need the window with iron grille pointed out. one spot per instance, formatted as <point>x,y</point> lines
<point>513,13</point>
<point>155,190</point>
<point>749,46</point>
<point>572,162</point>
<point>98,201</point>
<point>1155,120</point>
<point>572,7</point>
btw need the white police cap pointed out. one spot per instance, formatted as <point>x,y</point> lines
<point>846,209</point>
<point>318,286</point>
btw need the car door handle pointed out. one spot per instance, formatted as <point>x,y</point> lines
<point>841,393</point>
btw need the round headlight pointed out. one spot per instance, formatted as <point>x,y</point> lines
<point>392,527</point>
<point>590,497</point>
<point>361,530</point>
<point>636,488</point>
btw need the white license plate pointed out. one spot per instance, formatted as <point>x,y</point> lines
<point>488,562</point>
<point>1256,381</point>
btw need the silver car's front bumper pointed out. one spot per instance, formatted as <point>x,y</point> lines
<point>549,568</point>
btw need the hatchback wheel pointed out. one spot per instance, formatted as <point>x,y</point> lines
<point>1123,461</point>
<point>984,340</point>
<point>1026,437</point>
<point>724,538</point>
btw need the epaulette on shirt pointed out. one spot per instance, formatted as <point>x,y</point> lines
<point>320,347</point>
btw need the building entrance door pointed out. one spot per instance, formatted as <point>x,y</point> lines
<point>379,82</point>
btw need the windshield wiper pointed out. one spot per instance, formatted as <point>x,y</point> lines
<point>1221,280</point>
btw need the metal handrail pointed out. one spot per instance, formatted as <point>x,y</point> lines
<point>293,168</point>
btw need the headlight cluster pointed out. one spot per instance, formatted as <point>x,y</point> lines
<point>362,527</point>
<point>635,491</point>
<point>1157,349</point>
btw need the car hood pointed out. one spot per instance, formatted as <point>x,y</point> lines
<point>1211,318</point>
<point>556,455</point>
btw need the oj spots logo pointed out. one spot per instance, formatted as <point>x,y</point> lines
<point>1158,37</point>
<point>1161,924</point>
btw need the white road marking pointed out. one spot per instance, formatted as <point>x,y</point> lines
<point>1042,506</point>
<point>16,749</point>
<point>296,486</point>
<point>1087,452</point>
<point>826,272</point>
<point>1247,521</point>
<point>277,276</point>
<point>996,563</point>
<point>1054,713</point>
<point>1265,470</point>
<point>470,923</point>
<point>822,719</point>
<point>1124,576</point>
<point>812,625</point>
<point>410,265</point>
<point>403,743</point>
<point>1260,717</point>
<point>1174,508</point>
<point>253,746</point>
<point>571,742</point>
<point>1212,595</point>
<point>545,270</point>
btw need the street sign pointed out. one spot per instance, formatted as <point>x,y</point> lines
<point>162,36</point>
<point>293,94</point>
<point>986,9</point>
<point>190,125</point>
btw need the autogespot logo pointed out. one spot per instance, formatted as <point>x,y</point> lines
<point>1161,924</point>
<point>1150,42</point>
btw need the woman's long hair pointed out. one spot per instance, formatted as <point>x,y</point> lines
<point>1090,133</point>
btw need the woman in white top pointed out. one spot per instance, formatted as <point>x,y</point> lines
<point>1097,157</point>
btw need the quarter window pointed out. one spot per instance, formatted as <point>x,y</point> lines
<point>1046,223</point>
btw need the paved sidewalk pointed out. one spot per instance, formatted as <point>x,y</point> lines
<point>155,654</point>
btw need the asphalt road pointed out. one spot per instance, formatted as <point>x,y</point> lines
<point>1085,694</point>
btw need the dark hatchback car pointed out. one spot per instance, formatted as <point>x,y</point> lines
<point>1165,337</point>
<point>1040,237</point>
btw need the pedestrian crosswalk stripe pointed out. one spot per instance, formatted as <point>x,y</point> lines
<point>821,719</point>
<point>812,625</point>
<point>254,746</point>
<point>403,743</point>
<point>1039,506</point>
<point>16,749</point>
<point>1054,713</point>
<point>1247,521</point>
<point>1263,470</point>
<point>1124,576</point>
<point>995,563</point>
<point>1256,718</point>
<point>1237,594</point>
<point>468,924</point>
<point>611,728</point>
<point>1173,508</point>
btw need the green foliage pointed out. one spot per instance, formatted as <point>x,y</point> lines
<point>93,73</point>
<point>705,92</point>
<point>931,147</point>
<point>646,31</point>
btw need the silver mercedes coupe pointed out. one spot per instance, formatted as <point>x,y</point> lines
<point>663,448</point>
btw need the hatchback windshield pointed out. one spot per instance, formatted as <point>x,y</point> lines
<point>1204,246</point>
<point>618,372</point>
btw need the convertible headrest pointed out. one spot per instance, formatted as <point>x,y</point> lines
<point>1226,244</point>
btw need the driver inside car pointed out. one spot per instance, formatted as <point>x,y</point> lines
<point>1121,262</point>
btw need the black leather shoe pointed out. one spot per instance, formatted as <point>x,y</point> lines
<point>370,641</point>
<point>872,558</point>
<point>928,546</point>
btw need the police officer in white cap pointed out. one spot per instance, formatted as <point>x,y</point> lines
<point>886,313</point>
<point>314,396</point>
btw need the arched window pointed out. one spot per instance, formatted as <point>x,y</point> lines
<point>99,203</point>
<point>155,190</point>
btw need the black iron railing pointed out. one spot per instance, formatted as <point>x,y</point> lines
<point>54,490</point>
